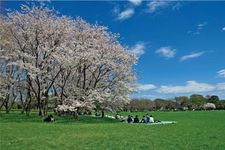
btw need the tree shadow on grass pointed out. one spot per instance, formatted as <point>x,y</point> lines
<point>17,117</point>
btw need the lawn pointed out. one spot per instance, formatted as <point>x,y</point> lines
<point>194,130</point>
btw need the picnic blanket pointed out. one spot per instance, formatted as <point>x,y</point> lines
<point>161,122</point>
<point>155,123</point>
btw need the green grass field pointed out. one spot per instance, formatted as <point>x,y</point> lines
<point>194,130</point>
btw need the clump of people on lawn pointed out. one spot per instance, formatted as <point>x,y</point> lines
<point>130,119</point>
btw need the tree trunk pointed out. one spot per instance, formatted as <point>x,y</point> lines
<point>39,106</point>
<point>28,109</point>
<point>40,112</point>
<point>23,110</point>
<point>28,113</point>
<point>6,104</point>
<point>103,114</point>
<point>3,103</point>
<point>40,109</point>
<point>28,103</point>
<point>6,108</point>
<point>7,111</point>
<point>76,115</point>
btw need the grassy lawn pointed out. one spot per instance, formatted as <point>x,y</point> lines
<point>194,130</point>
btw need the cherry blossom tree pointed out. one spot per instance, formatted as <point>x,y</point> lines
<point>8,86</point>
<point>78,63</point>
<point>37,45</point>
<point>103,72</point>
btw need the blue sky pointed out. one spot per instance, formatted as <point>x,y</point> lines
<point>180,45</point>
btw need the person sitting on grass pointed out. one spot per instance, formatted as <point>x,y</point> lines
<point>136,120</point>
<point>97,114</point>
<point>147,118</point>
<point>151,119</point>
<point>50,118</point>
<point>129,119</point>
<point>144,120</point>
<point>122,119</point>
<point>117,116</point>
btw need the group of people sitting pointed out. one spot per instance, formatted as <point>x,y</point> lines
<point>146,119</point>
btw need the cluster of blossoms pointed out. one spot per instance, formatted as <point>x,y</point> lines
<point>209,106</point>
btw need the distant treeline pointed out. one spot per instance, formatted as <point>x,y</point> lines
<point>194,102</point>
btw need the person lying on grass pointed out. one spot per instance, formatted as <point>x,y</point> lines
<point>50,118</point>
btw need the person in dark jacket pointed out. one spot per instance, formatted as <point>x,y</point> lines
<point>49,119</point>
<point>129,119</point>
<point>136,120</point>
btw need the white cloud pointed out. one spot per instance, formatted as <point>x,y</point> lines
<point>156,4</point>
<point>191,87</point>
<point>138,49</point>
<point>153,6</point>
<point>201,25</point>
<point>176,6</point>
<point>198,29</point>
<point>191,56</point>
<point>223,29</point>
<point>221,86</point>
<point>135,2</point>
<point>221,73</point>
<point>125,14</point>
<point>144,87</point>
<point>167,52</point>
<point>148,96</point>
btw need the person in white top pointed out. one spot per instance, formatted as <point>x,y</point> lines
<point>151,119</point>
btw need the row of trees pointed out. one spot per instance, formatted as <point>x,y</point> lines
<point>194,102</point>
<point>47,57</point>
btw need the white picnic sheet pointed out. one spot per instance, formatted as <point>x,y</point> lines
<point>155,123</point>
<point>161,122</point>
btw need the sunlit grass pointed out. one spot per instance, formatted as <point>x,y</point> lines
<point>194,130</point>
